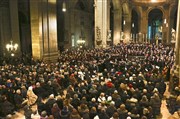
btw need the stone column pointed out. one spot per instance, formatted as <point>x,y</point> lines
<point>177,45</point>
<point>102,20</point>
<point>44,30</point>
<point>5,27</point>
<point>143,25</point>
<point>167,27</point>
<point>117,26</point>
<point>172,8</point>
<point>13,5</point>
<point>127,28</point>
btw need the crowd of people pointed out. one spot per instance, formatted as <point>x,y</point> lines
<point>126,81</point>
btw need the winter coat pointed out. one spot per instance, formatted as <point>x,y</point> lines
<point>7,107</point>
<point>31,97</point>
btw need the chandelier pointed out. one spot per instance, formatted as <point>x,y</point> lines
<point>12,47</point>
<point>80,41</point>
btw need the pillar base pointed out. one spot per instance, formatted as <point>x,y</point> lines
<point>51,57</point>
<point>176,72</point>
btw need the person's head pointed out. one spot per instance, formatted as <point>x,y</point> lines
<point>115,115</point>
<point>18,91</point>
<point>74,111</point>
<point>122,106</point>
<point>93,109</point>
<point>55,105</point>
<point>43,114</point>
<point>51,96</point>
<point>9,116</point>
<point>116,92</point>
<point>38,85</point>
<point>144,91</point>
<point>102,94</point>
<point>144,98</point>
<point>30,88</point>
<point>93,100</point>
<point>75,96</point>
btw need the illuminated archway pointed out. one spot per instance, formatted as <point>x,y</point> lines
<point>134,25</point>
<point>155,20</point>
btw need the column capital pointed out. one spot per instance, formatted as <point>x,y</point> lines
<point>144,8</point>
<point>166,6</point>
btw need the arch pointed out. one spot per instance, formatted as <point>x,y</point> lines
<point>135,21</point>
<point>116,4</point>
<point>125,8</point>
<point>137,10</point>
<point>155,21</point>
<point>160,8</point>
<point>80,5</point>
<point>173,11</point>
<point>83,4</point>
<point>155,12</point>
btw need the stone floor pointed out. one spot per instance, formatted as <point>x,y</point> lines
<point>164,111</point>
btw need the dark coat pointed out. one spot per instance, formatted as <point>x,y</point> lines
<point>103,115</point>
<point>7,107</point>
<point>18,99</point>
<point>49,105</point>
<point>110,111</point>
<point>55,112</point>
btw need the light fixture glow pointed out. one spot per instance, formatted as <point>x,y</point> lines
<point>153,0</point>
<point>12,54</point>
<point>165,21</point>
<point>64,7</point>
<point>124,22</point>
<point>133,25</point>
<point>81,41</point>
<point>11,46</point>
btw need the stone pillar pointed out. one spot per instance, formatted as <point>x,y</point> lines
<point>143,25</point>
<point>102,24</point>
<point>171,18</point>
<point>165,25</point>
<point>177,45</point>
<point>127,28</point>
<point>13,5</point>
<point>44,30</point>
<point>5,27</point>
<point>117,26</point>
<point>169,27</point>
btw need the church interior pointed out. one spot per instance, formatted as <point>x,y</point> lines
<point>89,59</point>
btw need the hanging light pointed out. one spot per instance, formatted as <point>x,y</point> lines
<point>165,21</point>
<point>64,6</point>
<point>133,25</point>
<point>124,22</point>
<point>11,46</point>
